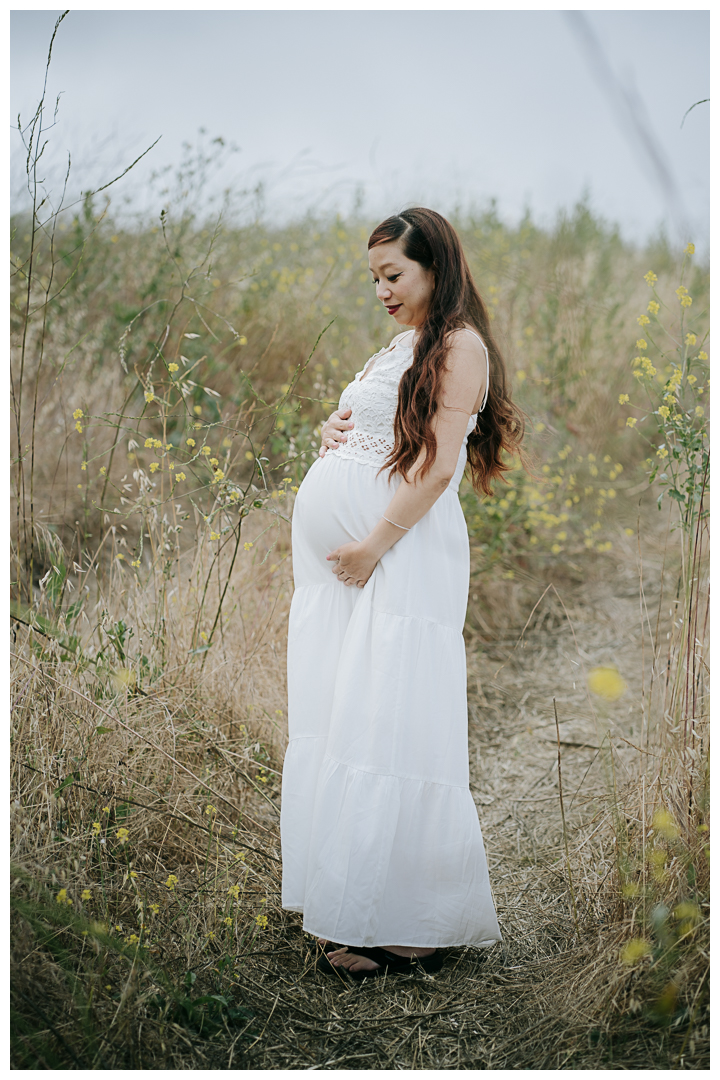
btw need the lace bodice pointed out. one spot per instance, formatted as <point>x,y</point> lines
<point>373,400</point>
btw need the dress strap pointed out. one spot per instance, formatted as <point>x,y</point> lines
<point>487,365</point>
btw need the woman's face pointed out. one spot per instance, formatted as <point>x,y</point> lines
<point>403,286</point>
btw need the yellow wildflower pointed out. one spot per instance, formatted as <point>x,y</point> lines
<point>171,882</point>
<point>650,277</point>
<point>261,921</point>
<point>155,909</point>
<point>154,466</point>
<point>664,824</point>
<point>210,810</point>
<point>214,535</point>
<point>122,835</point>
<point>173,367</point>
<point>217,476</point>
<point>190,442</point>
<point>664,412</point>
<point>606,682</point>
<point>227,920</point>
<point>96,828</point>
<point>624,398</point>
<point>641,343</point>
<point>149,395</point>
<point>690,249</point>
<point>247,545</point>
<point>692,379</point>
<point>214,461</point>
<point>699,411</point>
<point>234,891</point>
<point>106,809</point>
<point>643,320</point>
<point>686,301</point>
<point>77,414</point>
<point>690,339</point>
<point>63,898</point>
<point>86,895</point>
<point>702,355</point>
<point>79,427</point>
<point>681,291</point>
<point>242,340</point>
<point>653,307</point>
<point>206,451</point>
<point>149,442</point>
<point>197,409</point>
<point>635,950</point>
<point>662,452</point>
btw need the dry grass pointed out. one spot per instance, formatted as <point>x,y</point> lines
<point>553,995</point>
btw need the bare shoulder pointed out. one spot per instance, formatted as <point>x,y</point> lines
<point>466,370</point>
<point>466,352</point>
<point>466,338</point>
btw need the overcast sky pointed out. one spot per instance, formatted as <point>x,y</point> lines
<point>431,107</point>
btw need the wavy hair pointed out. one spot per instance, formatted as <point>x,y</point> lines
<point>430,240</point>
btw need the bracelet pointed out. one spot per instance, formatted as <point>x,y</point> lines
<point>406,528</point>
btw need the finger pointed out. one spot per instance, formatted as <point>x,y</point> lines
<point>322,451</point>
<point>341,411</point>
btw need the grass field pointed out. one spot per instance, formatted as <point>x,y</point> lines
<point>169,381</point>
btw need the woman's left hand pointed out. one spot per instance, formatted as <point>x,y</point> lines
<point>354,564</point>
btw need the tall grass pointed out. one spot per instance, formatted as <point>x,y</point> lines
<point>169,380</point>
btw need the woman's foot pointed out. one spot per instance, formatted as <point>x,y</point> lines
<point>354,962</point>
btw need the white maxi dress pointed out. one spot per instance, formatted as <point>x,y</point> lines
<point>381,843</point>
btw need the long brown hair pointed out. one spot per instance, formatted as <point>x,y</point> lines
<point>428,239</point>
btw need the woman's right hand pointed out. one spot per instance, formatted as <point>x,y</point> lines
<point>333,430</point>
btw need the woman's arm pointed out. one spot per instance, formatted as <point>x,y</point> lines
<point>463,383</point>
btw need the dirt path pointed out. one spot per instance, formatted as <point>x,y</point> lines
<point>539,999</point>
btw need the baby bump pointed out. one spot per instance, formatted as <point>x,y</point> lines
<point>426,572</point>
<point>339,500</point>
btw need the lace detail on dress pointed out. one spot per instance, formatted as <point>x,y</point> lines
<point>373,400</point>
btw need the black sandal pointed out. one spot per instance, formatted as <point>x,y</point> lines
<point>388,962</point>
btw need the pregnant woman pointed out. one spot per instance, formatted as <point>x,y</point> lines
<point>381,843</point>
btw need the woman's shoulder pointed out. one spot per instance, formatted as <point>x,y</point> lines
<point>467,334</point>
